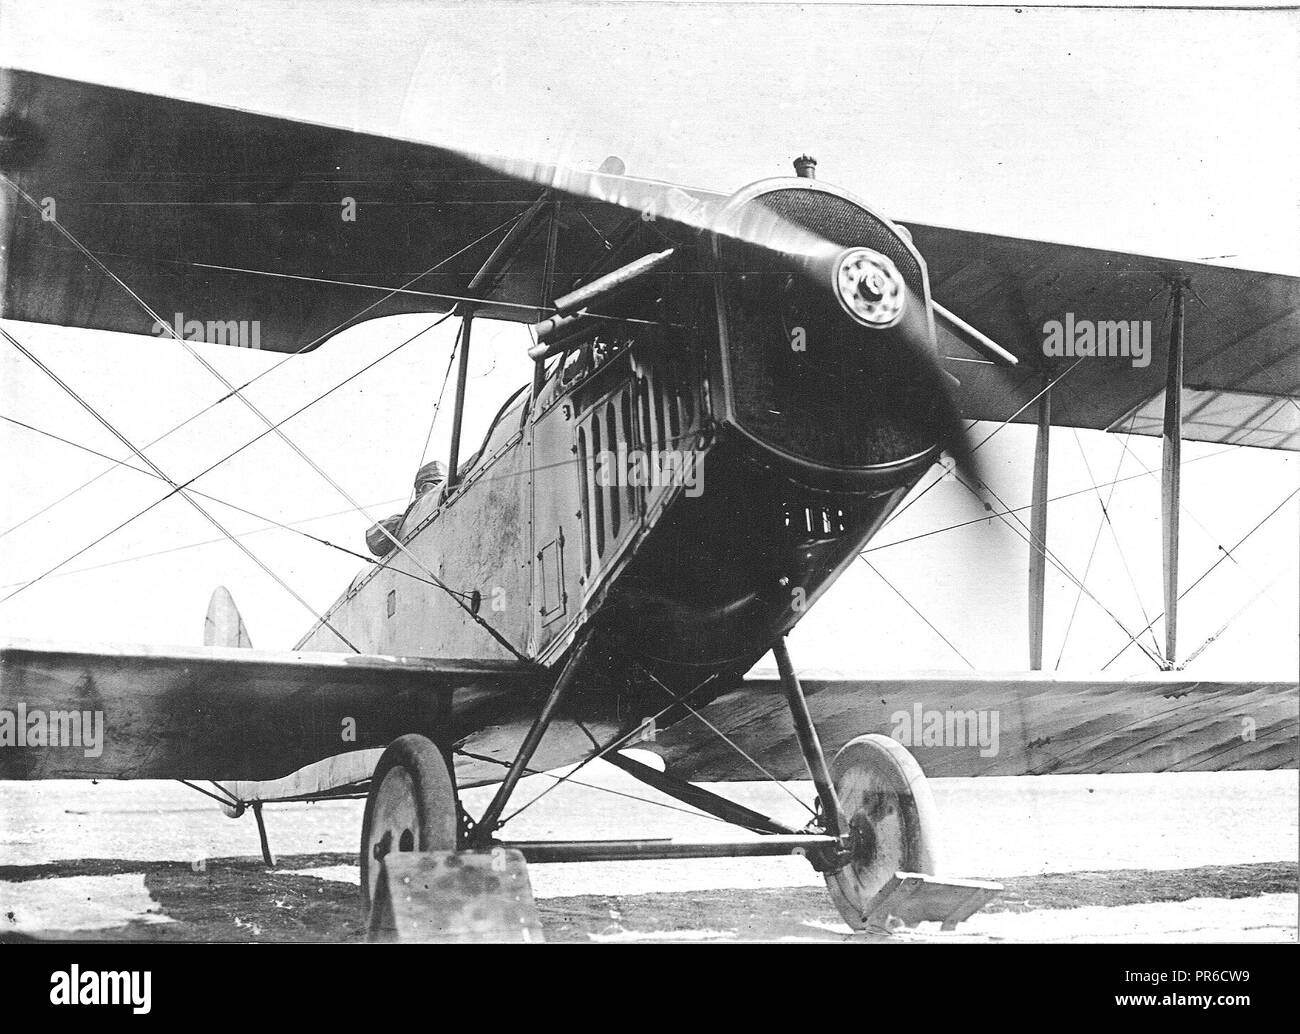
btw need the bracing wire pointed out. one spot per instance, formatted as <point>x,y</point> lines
<point>297,450</point>
<point>264,373</point>
<point>176,488</point>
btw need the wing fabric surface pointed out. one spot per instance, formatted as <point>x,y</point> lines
<point>1241,327</point>
<point>241,228</point>
<point>225,713</point>
<point>227,218</point>
<point>1002,725</point>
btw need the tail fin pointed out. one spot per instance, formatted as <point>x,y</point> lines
<point>223,625</point>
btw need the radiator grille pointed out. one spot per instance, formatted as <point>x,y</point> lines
<point>843,399</point>
<point>840,221</point>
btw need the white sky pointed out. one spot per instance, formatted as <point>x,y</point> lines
<point>1173,133</point>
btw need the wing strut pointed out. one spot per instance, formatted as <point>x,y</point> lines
<point>1038,530</point>
<point>1171,470</point>
<point>462,376</point>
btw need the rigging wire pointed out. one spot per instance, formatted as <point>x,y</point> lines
<point>271,369</point>
<point>228,456</point>
<point>726,739</point>
<point>1218,560</point>
<point>613,744</point>
<point>1181,505</point>
<point>1119,548</point>
<point>985,440</point>
<point>917,612</point>
<point>1043,548</point>
<point>175,489</point>
<point>1146,472</point>
<point>253,408</point>
<point>271,523</point>
<point>237,392</point>
<point>1027,536</point>
<point>608,789</point>
<point>1096,540</point>
<point>1020,509</point>
<point>1125,443</point>
<point>439,295</point>
<point>1240,610</point>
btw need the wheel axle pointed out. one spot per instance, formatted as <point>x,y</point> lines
<point>547,851</point>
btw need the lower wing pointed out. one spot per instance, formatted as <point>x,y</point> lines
<point>1016,724</point>
<point>224,713</point>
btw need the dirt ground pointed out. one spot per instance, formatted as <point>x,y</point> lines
<point>1197,857</point>
<point>239,899</point>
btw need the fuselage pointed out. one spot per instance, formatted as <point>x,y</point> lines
<point>686,482</point>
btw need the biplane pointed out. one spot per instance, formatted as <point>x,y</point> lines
<point>732,392</point>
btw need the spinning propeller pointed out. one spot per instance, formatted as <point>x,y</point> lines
<point>859,282</point>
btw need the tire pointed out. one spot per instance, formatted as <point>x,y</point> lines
<point>892,822</point>
<point>411,806</point>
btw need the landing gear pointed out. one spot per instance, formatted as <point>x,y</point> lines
<point>411,807</point>
<point>874,837</point>
<point>891,823</point>
<point>875,804</point>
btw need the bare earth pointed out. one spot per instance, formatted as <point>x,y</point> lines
<point>1177,857</point>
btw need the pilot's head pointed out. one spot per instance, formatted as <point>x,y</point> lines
<point>429,477</point>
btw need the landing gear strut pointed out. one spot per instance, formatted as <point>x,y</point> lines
<point>874,799</point>
<point>874,838</point>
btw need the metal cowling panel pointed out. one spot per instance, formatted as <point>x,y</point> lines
<point>838,398</point>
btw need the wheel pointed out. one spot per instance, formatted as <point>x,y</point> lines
<point>892,821</point>
<point>411,807</point>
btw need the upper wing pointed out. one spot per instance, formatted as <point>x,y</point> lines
<point>219,217</point>
<point>1242,329</point>
<point>1031,723</point>
<point>224,216</point>
<point>226,713</point>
